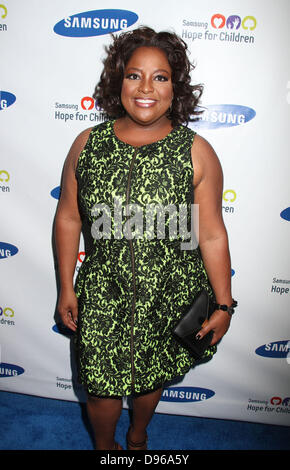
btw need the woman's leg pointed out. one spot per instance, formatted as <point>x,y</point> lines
<point>143,410</point>
<point>104,414</point>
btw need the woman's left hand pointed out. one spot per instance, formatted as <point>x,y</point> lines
<point>219,323</point>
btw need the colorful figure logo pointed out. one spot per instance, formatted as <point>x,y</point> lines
<point>218,21</point>
<point>3,7</point>
<point>229,195</point>
<point>233,22</point>
<point>87,103</point>
<point>5,174</point>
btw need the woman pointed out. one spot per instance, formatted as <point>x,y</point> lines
<point>133,287</point>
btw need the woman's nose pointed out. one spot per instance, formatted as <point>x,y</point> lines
<point>146,85</point>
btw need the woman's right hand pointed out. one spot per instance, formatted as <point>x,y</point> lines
<point>68,308</point>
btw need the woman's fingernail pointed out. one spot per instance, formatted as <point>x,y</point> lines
<point>198,336</point>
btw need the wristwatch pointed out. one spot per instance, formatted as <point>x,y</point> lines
<point>230,309</point>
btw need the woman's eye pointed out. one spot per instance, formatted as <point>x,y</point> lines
<point>132,76</point>
<point>161,78</point>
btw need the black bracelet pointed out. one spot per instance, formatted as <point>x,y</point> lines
<point>225,308</point>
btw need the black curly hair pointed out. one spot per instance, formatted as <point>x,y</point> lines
<point>107,93</point>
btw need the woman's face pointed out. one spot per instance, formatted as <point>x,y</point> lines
<point>147,89</point>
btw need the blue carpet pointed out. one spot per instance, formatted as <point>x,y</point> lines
<point>34,423</point>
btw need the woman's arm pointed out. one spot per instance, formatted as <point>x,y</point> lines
<point>213,239</point>
<point>67,231</point>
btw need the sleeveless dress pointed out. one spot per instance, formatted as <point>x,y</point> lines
<point>135,281</point>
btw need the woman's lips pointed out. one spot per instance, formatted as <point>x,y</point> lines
<point>144,102</point>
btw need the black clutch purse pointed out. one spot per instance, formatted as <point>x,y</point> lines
<point>191,322</point>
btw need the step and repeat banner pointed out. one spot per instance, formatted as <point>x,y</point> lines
<point>51,59</point>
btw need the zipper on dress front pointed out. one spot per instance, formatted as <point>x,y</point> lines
<point>133,272</point>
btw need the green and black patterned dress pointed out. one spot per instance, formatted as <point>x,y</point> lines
<point>136,281</point>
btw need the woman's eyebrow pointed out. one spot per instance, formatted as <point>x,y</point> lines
<point>155,71</point>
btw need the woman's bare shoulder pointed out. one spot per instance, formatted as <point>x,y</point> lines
<point>77,147</point>
<point>202,149</point>
<point>204,158</point>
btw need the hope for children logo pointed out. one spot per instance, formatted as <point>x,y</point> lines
<point>221,28</point>
<point>86,109</point>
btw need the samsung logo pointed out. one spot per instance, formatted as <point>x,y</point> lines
<point>6,99</point>
<point>7,250</point>
<point>285,214</point>
<point>55,192</point>
<point>224,115</point>
<point>186,394</point>
<point>10,370</point>
<point>278,349</point>
<point>95,23</point>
